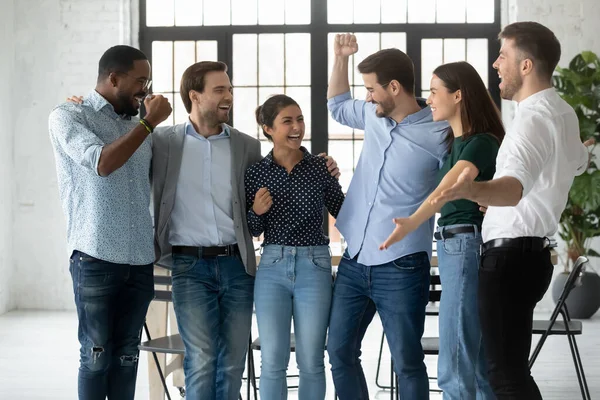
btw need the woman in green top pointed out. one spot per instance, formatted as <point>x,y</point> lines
<point>458,95</point>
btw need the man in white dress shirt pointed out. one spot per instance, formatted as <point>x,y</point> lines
<point>536,164</point>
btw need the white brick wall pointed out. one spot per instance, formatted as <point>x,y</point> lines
<point>7,52</point>
<point>59,43</point>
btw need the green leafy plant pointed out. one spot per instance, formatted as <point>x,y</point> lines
<point>579,85</point>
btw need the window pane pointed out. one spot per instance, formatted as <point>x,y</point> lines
<point>297,12</point>
<point>217,12</point>
<point>393,11</point>
<point>179,111</point>
<point>270,12</point>
<point>431,58</point>
<point>367,11</point>
<point>270,58</point>
<point>188,12</point>
<point>206,50</point>
<point>421,11</point>
<point>265,145</point>
<point>454,50</point>
<point>169,121</point>
<point>265,92</point>
<point>302,97</point>
<point>160,12</point>
<point>368,43</point>
<point>185,55</point>
<point>451,11</point>
<point>245,101</point>
<point>336,129</point>
<point>359,92</point>
<point>477,56</point>
<point>480,11</point>
<point>244,12</point>
<point>393,40</point>
<point>297,59</point>
<point>342,152</point>
<point>245,56</point>
<point>162,66</point>
<point>338,12</point>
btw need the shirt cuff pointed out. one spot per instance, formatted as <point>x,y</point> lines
<point>340,98</point>
<point>523,177</point>
<point>91,157</point>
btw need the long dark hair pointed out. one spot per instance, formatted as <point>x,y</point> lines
<point>266,114</point>
<point>478,112</point>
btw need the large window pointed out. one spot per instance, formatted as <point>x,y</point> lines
<point>285,46</point>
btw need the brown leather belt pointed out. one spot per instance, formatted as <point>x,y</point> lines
<point>525,244</point>
<point>203,252</point>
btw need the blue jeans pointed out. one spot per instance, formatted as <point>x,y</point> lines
<point>293,282</point>
<point>399,292</point>
<point>212,298</point>
<point>462,368</point>
<point>111,301</point>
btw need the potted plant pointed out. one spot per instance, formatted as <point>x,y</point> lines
<point>579,85</point>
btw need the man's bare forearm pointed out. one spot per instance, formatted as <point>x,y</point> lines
<point>339,83</point>
<point>502,192</point>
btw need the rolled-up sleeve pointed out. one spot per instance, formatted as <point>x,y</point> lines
<point>68,131</point>
<point>347,111</point>
<point>525,152</point>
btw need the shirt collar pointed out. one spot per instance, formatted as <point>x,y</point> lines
<point>190,130</point>
<point>537,96</point>
<point>424,112</point>
<point>269,157</point>
<point>98,102</point>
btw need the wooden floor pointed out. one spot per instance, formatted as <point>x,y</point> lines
<point>39,360</point>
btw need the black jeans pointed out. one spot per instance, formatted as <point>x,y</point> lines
<point>112,300</point>
<point>511,282</point>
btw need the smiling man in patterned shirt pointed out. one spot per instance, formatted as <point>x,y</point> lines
<point>103,160</point>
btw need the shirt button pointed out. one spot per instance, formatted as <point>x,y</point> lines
<point>132,202</point>
<point>132,225</point>
<point>370,203</point>
<point>131,180</point>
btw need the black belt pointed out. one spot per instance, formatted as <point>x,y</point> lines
<point>214,251</point>
<point>448,233</point>
<point>525,244</point>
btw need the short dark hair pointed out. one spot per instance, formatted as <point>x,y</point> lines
<point>193,79</point>
<point>266,114</point>
<point>536,42</point>
<point>389,65</point>
<point>118,58</point>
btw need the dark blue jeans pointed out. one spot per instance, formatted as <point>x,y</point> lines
<point>399,292</point>
<point>213,300</point>
<point>112,301</point>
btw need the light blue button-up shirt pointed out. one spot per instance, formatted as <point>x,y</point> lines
<point>395,173</point>
<point>203,212</point>
<point>107,217</point>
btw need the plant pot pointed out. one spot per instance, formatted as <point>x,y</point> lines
<point>584,300</point>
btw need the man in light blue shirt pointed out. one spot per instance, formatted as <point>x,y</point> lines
<point>402,152</point>
<point>103,165</point>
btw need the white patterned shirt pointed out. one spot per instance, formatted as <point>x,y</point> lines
<point>107,217</point>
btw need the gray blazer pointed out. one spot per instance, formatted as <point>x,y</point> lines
<point>167,145</point>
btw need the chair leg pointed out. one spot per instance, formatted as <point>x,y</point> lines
<point>392,380</point>
<point>162,377</point>
<point>379,365</point>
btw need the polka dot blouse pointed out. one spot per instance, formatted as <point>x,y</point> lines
<point>296,216</point>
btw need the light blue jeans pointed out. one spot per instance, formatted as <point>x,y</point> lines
<point>293,282</point>
<point>462,369</point>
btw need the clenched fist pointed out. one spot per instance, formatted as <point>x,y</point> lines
<point>158,109</point>
<point>345,45</point>
<point>262,201</point>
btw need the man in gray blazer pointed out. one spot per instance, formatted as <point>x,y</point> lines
<point>201,232</point>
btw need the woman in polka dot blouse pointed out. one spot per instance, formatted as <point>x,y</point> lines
<point>286,193</point>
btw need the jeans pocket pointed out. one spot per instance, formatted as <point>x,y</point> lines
<point>489,262</point>
<point>412,262</point>
<point>268,261</point>
<point>452,246</point>
<point>321,263</point>
<point>182,263</point>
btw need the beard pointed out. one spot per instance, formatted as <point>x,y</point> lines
<point>510,86</point>
<point>215,116</point>
<point>128,104</point>
<point>386,108</point>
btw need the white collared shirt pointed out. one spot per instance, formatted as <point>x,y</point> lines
<point>543,150</point>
